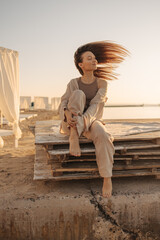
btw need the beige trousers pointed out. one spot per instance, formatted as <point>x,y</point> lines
<point>102,140</point>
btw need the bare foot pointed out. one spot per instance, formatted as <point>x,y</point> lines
<point>107,187</point>
<point>74,147</point>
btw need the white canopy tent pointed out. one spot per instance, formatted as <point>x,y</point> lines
<point>40,102</point>
<point>55,101</point>
<point>25,102</point>
<point>9,89</point>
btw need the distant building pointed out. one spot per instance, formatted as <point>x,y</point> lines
<point>25,102</point>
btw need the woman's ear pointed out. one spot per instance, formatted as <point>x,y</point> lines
<point>80,65</point>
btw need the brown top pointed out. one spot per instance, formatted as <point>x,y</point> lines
<point>90,90</point>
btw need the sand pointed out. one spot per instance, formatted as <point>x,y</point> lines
<point>19,191</point>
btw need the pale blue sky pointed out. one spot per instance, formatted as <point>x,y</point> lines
<point>47,33</point>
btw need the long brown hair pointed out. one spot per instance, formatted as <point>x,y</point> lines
<point>108,55</point>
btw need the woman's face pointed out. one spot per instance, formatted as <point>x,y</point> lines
<point>89,62</point>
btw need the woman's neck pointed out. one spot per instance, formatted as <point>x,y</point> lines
<point>88,77</point>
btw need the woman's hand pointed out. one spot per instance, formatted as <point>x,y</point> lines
<point>70,120</point>
<point>106,99</point>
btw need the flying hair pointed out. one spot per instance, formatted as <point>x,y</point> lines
<point>108,55</point>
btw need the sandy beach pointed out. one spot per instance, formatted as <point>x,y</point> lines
<point>18,190</point>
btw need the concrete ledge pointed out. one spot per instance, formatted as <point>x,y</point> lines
<point>76,210</point>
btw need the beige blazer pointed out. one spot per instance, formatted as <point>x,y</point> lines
<point>95,109</point>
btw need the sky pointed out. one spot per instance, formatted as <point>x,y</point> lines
<point>46,33</point>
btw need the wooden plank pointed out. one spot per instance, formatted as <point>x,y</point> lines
<point>42,176</point>
<point>138,165</point>
<point>115,174</point>
<point>92,150</point>
<point>132,153</point>
<point>54,128</point>
<point>116,168</point>
<point>149,158</point>
<point>47,132</point>
<point>118,145</point>
<point>75,170</point>
<point>142,147</point>
<point>50,161</point>
<point>133,173</point>
<point>76,177</point>
<point>40,172</point>
<point>52,139</point>
<point>127,146</point>
<point>125,159</point>
<point>82,167</point>
<point>66,151</point>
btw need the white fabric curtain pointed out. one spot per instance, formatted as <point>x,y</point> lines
<point>9,89</point>
<point>1,123</point>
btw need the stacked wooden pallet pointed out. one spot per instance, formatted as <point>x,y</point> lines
<point>134,155</point>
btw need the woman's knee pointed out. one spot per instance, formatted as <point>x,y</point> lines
<point>78,94</point>
<point>99,132</point>
<point>77,101</point>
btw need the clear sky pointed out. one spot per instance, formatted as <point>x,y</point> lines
<point>46,33</point>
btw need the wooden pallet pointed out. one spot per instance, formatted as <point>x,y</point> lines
<point>134,156</point>
<point>42,170</point>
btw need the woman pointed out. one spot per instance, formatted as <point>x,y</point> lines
<point>81,107</point>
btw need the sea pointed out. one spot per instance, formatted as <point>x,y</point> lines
<point>132,112</point>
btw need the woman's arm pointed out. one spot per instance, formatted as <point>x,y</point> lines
<point>64,102</point>
<point>71,86</point>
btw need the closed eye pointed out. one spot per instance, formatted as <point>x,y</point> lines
<point>91,58</point>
